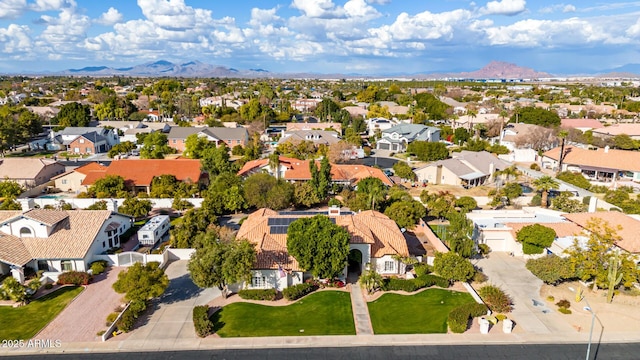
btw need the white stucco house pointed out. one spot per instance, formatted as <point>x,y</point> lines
<point>55,240</point>
<point>376,242</point>
<point>397,138</point>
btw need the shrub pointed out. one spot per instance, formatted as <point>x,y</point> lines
<point>501,317</point>
<point>334,202</point>
<point>297,291</point>
<point>598,189</point>
<point>495,298</point>
<point>458,318</point>
<point>97,267</point>
<point>258,294</point>
<point>201,321</point>
<point>127,320</point>
<point>48,286</point>
<point>536,200</point>
<point>74,277</point>
<point>411,285</point>
<point>576,179</point>
<point>551,269</point>
<point>550,298</point>
<point>421,269</point>
<point>484,249</point>
<point>111,318</point>
<point>564,303</point>
<point>586,200</point>
<point>480,277</point>
<point>565,311</point>
<point>100,333</point>
<point>534,167</point>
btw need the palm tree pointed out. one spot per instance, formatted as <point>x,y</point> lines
<point>545,184</point>
<point>471,113</point>
<point>509,172</point>
<point>274,164</point>
<point>503,115</point>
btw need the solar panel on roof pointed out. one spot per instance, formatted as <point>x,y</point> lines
<point>278,230</point>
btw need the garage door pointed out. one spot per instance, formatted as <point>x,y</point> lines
<point>383,146</point>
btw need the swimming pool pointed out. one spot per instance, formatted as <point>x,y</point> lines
<point>51,197</point>
<point>526,189</point>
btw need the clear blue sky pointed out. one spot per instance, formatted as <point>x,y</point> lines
<point>324,36</point>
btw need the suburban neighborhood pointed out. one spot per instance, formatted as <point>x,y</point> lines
<point>317,209</point>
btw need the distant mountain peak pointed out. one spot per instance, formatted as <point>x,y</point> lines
<point>504,70</point>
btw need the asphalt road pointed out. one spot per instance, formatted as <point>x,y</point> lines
<point>439,352</point>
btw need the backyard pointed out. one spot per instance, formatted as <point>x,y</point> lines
<point>24,322</point>
<point>423,313</point>
<point>321,313</point>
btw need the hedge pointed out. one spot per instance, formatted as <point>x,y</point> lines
<point>297,291</point>
<point>258,294</point>
<point>74,277</point>
<point>201,321</point>
<point>98,267</point>
<point>411,285</point>
<point>458,318</point>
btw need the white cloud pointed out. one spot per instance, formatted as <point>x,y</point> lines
<point>52,5</point>
<point>359,8</point>
<point>11,9</point>
<point>111,17</point>
<point>569,8</point>
<point>317,8</point>
<point>15,39</point>
<point>171,14</point>
<point>505,7</point>
<point>379,2</point>
<point>565,8</point>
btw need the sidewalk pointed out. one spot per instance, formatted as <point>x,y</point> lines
<point>360,311</point>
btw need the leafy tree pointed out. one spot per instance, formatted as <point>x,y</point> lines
<point>404,171</point>
<point>167,186</point>
<point>324,178</point>
<point>305,195</point>
<point>574,179</point>
<point>551,269</point>
<point>431,105</point>
<point>373,189</point>
<point>10,189</point>
<point>73,114</point>
<point>218,263</point>
<point>225,194</point>
<point>453,267</point>
<point>439,204</point>
<point>142,282</point>
<point>506,193</point>
<point>135,207</point>
<point>406,213</point>
<point>121,148</point>
<point>215,160</point>
<point>155,146</point>
<point>195,145</point>
<point>535,238</point>
<point>428,151</point>
<point>545,184</point>
<point>318,245</point>
<point>625,142</point>
<point>10,204</point>
<point>181,204</point>
<point>564,202</point>
<point>194,222</point>
<point>459,233</point>
<point>466,203</point>
<point>98,205</point>
<point>461,135</point>
<point>537,116</point>
<point>108,186</point>
<point>263,190</point>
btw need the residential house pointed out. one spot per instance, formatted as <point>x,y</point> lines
<point>466,168</point>
<point>55,241</point>
<point>177,136</point>
<point>377,125</point>
<point>356,111</point>
<point>317,137</point>
<point>469,122</point>
<point>375,242</point>
<point>606,132</point>
<point>305,105</point>
<point>138,174</point>
<point>29,172</point>
<point>298,170</point>
<point>398,137</point>
<point>606,165</point>
<point>71,181</point>
<point>522,140</point>
<point>629,231</point>
<point>294,126</point>
<point>581,124</point>
<point>84,140</point>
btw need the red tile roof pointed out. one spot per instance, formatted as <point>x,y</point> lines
<point>629,232</point>
<point>141,172</point>
<point>90,167</point>
<point>610,159</point>
<point>580,123</point>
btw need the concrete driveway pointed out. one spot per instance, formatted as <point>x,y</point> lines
<point>530,312</point>
<point>169,318</point>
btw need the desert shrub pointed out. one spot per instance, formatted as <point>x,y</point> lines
<point>127,320</point>
<point>97,267</point>
<point>484,249</point>
<point>458,318</point>
<point>536,200</point>
<point>201,321</point>
<point>598,189</point>
<point>495,298</point>
<point>479,277</point>
<point>297,291</point>
<point>564,311</point>
<point>550,298</point>
<point>501,317</point>
<point>534,167</point>
<point>74,278</point>
<point>258,294</point>
<point>422,269</point>
<point>111,318</point>
<point>564,303</point>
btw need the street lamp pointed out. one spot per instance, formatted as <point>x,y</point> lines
<point>580,297</point>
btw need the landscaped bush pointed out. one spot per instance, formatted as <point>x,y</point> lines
<point>127,320</point>
<point>551,269</point>
<point>111,318</point>
<point>74,278</point>
<point>48,286</point>
<point>411,285</point>
<point>564,303</point>
<point>495,298</point>
<point>501,317</point>
<point>297,291</point>
<point>564,311</point>
<point>598,189</point>
<point>536,200</point>
<point>201,321</point>
<point>421,269</point>
<point>258,294</point>
<point>534,167</point>
<point>459,317</point>
<point>479,277</point>
<point>97,267</point>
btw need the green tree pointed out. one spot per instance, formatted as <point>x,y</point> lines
<point>195,145</point>
<point>459,234</point>
<point>537,116</point>
<point>439,204</point>
<point>98,205</point>
<point>545,184</point>
<point>373,189</point>
<point>108,186</point>
<point>10,204</point>
<point>10,189</point>
<point>461,135</point>
<point>305,195</point>
<point>535,238</point>
<point>453,267</point>
<point>428,151</point>
<point>625,142</point>
<point>466,203</point>
<point>215,160</point>
<point>194,222</point>
<point>12,289</point>
<point>404,171</point>
<point>263,190</point>
<point>319,246</point>
<point>135,207</point>
<point>551,269</point>
<point>73,114</point>
<point>564,202</point>
<point>406,213</point>
<point>121,148</point>
<point>218,263</point>
<point>225,194</point>
<point>155,146</point>
<point>142,282</point>
<point>574,179</point>
<point>324,178</point>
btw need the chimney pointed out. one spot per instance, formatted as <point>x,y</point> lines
<point>334,210</point>
<point>606,149</point>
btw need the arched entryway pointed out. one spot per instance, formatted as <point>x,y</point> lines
<point>354,267</point>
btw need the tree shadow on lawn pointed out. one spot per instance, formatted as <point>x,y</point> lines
<point>215,319</point>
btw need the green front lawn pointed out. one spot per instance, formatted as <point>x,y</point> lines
<point>321,313</point>
<point>24,322</point>
<point>423,313</point>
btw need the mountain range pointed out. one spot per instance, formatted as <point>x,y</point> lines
<point>493,70</point>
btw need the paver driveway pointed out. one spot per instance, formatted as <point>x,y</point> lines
<point>170,316</point>
<point>87,314</point>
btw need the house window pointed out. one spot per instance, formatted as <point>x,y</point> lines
<point>88,150</point>
<point>174,141</point>
<point>64,181</point>
<point>145,236</point>
<point>104,244</point>
<point>81,141</point>
<point>389,266</point>
<point>258,282</point>
<point>25,232</point>
<point>67,265</point>
<point>43,265</point>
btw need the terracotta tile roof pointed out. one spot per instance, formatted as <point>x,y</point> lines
<point>580,123</point>
<point>562,229</point>
<point>611,159</point>
<point>368,227</point>
<point>12,251</point>
<point>619,129</point>
<point>9,214</point>
<point>90,167</point>
<point>630,232</point>
<point>355,173</point>
<point>141,172</point>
